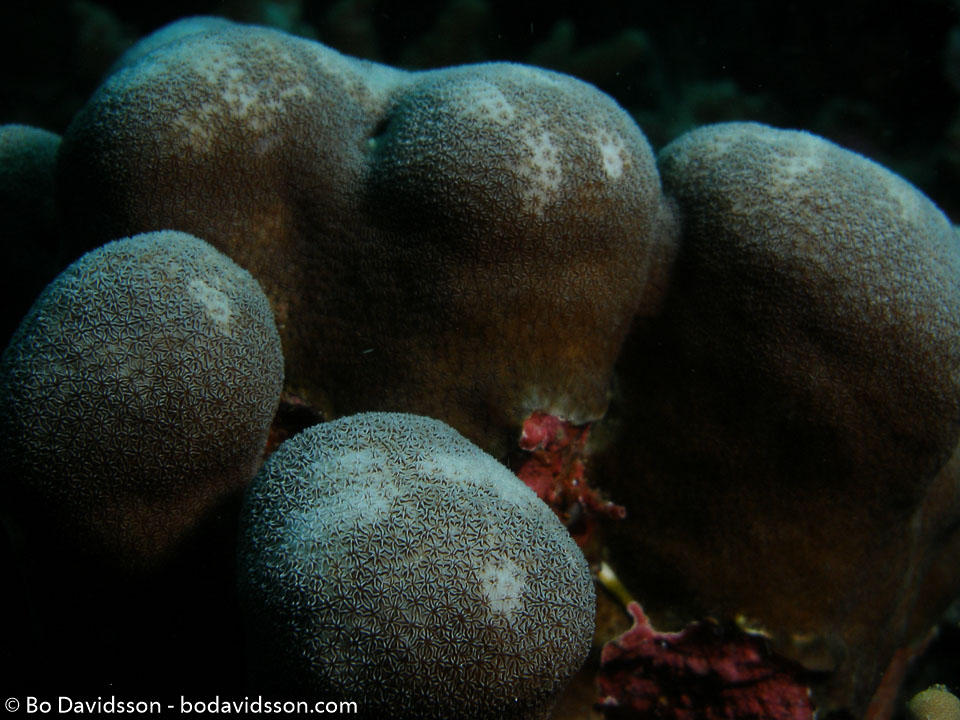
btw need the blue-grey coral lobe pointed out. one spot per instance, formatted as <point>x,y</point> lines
<point>138,390</point>
<point>851,276</point>
<point>387,560</point>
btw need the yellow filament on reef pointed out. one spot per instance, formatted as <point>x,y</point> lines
<point>611,583</point>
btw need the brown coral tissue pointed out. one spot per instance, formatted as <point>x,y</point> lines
<point>789,422</point>
<point>470,244</point>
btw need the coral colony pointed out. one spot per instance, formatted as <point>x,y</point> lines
<point>731,371</point>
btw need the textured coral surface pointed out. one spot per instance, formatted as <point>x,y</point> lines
<point>789,419</point>
<point>775,332</point>
<point>468,243</point>
<point>935,703</point>
<point>386,560</point>
<point>138,391</point>
<point>29,257</point>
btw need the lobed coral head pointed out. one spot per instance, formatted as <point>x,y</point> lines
<point>469,243</point>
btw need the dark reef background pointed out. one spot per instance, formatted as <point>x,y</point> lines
<point>881,78</point>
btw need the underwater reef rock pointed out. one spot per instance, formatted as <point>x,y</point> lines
<point>550,459</point>
<point>470,244</point>
<point>384,559</point>
<point>137,393</point>
<point>704,671</point>
<point>788,420</point>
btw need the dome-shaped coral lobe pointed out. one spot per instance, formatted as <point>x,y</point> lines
<point>386,560</point>
<point>790,412</point>
<point>469,243</point>
<point>138,391</point>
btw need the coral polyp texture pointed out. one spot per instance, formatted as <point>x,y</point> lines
<point>790,416</point>
<point>469,243</point>
<point>385,559</point>
<point>138,392</point>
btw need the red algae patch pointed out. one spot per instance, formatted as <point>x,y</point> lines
<point>706,671</point>
<point>551,461</point>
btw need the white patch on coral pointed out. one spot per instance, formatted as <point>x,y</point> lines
<point>331,64</point>
<point>214,303</point>
<point>354,503</point>
<point>487,102</point>
<point>236,95</point>
<point>365,502</point>
<point>795,165</point>
<point>722,140</point>
<point>901,198</point>
<point>480,470</point>
<point>909,201</point>
<point>612,152</point>
<point>502,583</point>
<point>552,402</point>
<point>542,171</point>
<point>450,465</point>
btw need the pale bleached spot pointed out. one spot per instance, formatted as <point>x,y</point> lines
<point>796,165</point>
<point>542,170</point>
<point>612,152</point>
<point>502,582</point>
<point>214,303</point>
<point>552,402</point>
<point>236,95</point>
<point>354,503</point>
<point>536,76</point>
<point>482,471</point>
<point>902,199</point>
<point>487,102</point>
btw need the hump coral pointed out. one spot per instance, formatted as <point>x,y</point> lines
<point>485,244</point>
<point>469,244</point>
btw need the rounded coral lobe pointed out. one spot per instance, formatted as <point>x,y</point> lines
<point>796,399</point>
<point>139,389</point>
<point>385,559</point>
